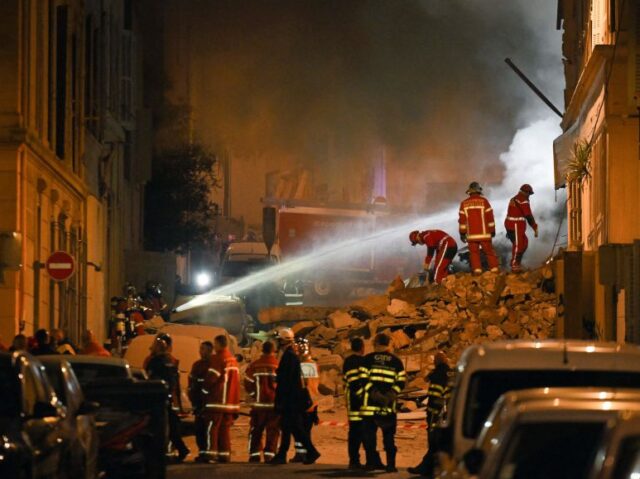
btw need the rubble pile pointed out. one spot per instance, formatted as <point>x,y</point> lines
<point>462,311</point>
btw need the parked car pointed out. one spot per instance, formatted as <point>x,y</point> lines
<point>79,422</point>
<point>487,371</point>
<point>33,440</point>
<point>132,418</point>
<point>551,433</point>
<point>90,369</point>
<point>620,456</point>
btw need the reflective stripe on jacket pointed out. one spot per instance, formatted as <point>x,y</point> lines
<point>222,383</point>
<point>475,218</point>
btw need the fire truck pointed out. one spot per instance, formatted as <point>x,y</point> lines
<point>364,269</point>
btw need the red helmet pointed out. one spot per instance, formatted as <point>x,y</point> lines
<point>526,188</point>
<point>414,237</point>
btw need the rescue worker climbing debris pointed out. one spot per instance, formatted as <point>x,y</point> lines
<point>292,401</point>
<point>441,248</point>
<point>438,395</point>
<point>222,393</point>
<point>199,371</point>
<point>260,384</point>
<point>352,375</point>
<point>384,377</point>
<point>518,215</point>
<point>477,226</point>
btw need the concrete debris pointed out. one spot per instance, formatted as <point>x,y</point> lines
<point>341,320</point>
<point>463,310</point>
<point>401,309</point>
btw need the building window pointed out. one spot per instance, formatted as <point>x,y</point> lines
<point>61,79</point>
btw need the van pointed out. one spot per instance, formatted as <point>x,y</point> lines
<point>245,258</point>
<point>549,432</point>
<point>485,372</point>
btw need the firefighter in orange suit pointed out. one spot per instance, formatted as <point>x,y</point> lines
<point>222,395</point>
<point>439,245</point>
<point>477,227</point>
<point>518,215</point>
<point>260,384</point>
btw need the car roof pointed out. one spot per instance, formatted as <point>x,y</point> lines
<point>86,359</point>
<point>543,354</point>
<point>251,248</point>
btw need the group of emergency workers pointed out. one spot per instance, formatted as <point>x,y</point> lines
<point>477,228</point>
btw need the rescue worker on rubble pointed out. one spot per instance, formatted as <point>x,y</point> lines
<point>162,365</point>
<point>352,375</point>
<point>292,401</point>
<point>384,377</point>
<point>311,381</point>
<point>222,395</point>
<point>518,215</point>
<point>440,246</point>
<point>260,384</point>
<point>199,371</point>
<point>477,226</point>
<point>438,395</point>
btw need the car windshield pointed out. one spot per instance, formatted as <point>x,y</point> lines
<point>239,268</point>
<point>628,459</point>
<point>9,391</point>
<point>551,450</point>
<point>216,314</point>
<point>88,373</point>
<point>485,387</point>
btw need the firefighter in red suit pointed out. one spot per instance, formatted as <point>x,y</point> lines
<point>439,245</point>
<point>222,395</point>
<point>518,215</point>
<point>260,384</point>
<point>477,227</point>
<point>198,374</point>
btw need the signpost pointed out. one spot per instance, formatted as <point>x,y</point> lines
<point>60,266</point>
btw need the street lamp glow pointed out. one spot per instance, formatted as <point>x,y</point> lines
<point>203,280</point>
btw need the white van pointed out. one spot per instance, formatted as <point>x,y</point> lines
<point>246,257</point>
<point>487,371</point>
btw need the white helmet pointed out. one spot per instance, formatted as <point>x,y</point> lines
<point>285,334</point>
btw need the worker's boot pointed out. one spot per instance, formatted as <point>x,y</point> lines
<point>374,463</point>
<point>391,462</point>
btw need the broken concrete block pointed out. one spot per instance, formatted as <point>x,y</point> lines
<point>399,308</point>
<point>400,339</point>
<point>324,333</point>
<point>303,328</point>
<point>330,361</point>
<point>341,320</point>
<point>494,332</point>
<point>373,305</point>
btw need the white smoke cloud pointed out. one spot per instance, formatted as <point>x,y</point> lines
<point>530,160</point>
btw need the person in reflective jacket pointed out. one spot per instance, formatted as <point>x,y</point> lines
<point>384,377</point>
<point>199,371</point>
<point>162,365</point>
<point>222,395</point>
<point>260,384</point>
<point>292,401</point>
<point>438,396</point>
<point>352,374</point>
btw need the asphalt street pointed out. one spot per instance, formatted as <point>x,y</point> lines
<point>289,471</point>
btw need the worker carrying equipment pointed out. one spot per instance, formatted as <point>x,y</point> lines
<point>518,215</point>
<point>440,246</point>
<point>477,226</point>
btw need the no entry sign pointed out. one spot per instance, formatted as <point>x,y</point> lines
<point>60,266</point>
